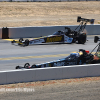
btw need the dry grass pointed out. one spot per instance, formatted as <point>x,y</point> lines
<point>15,14</point>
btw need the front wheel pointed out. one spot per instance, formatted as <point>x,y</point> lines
<point>17,67</point>
<point>20,41</point>
<point>26,42</point>
<point>82,38</point>
<point>13,41</point>
<point>26,65</point>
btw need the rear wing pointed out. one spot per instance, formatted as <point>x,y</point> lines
<point>83,22</point>
<point>82,25</point>
<point>79,19</point>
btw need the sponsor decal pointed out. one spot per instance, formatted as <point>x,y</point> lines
<point>48,65</point>
<point>42,66</point>
<point>54,39</point>
<point>71,63</point>
<point>39,41</point>
<point>36,41</point>
<point>67,39</point>
<point>59,63</point>
<point>31,42</point>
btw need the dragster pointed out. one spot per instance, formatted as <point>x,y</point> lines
<point>69,36</point>
<point>72,59</point>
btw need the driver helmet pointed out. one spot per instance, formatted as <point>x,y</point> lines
<point>74,55</point>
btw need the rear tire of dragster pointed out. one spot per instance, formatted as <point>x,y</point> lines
<point>82,38</point>
<point>96,38</point>
<point>20,41</point>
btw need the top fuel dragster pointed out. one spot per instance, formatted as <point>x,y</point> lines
<point>70,36</point>
<point>82,57</point>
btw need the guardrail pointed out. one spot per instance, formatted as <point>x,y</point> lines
<point>32,32</point>
<point>50,73</point>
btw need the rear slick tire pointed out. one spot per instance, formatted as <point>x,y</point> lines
<point>82,38</point>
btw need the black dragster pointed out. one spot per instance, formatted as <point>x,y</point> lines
<point>70,36</point>
<point>73,59</point>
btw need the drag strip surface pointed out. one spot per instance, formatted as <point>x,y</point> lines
<point>13,55</point>
<point>64,90</point>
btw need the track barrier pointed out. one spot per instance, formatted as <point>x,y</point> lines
<point>49,73</point>
<point>33,32</point>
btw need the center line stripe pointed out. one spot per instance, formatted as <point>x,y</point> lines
<point>42,56</point>
<point>29,57</point>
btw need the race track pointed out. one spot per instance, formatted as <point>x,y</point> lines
<point>13,55</point>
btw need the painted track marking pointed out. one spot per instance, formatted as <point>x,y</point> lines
<point>42,56</point>
<point>29,57</point>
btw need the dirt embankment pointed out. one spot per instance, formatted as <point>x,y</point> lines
<point>16,14</point>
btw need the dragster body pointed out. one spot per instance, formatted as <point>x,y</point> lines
<point>72,59</point>
<point>55,37</point>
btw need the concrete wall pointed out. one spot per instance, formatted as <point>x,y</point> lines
<point>29,32</point>
<point>51,73</point>
<point>3,77</point>
<point>4,0</point>
<point>33,31</point>
<point>93,29</point>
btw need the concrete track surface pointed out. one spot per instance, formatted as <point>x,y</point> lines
<point>13,55</point>
<point>89,90</point>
